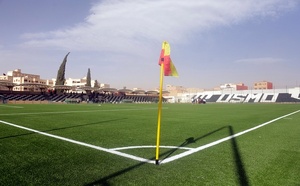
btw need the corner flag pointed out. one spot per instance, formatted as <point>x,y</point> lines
<point>167,68</point>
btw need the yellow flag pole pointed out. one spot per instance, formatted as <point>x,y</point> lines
<point>159,113</point>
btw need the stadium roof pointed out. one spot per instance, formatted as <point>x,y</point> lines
<point>152,92</point>
<point>88,88</point>
<point>39,85</point>
<point>108,90</point>
<point>124,90</point>
<point>63,87</point>
<point>139,91</point>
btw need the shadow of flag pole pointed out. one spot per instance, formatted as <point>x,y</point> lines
<point>159,113</point>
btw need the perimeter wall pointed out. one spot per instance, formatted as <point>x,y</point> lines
<point>291,95</point>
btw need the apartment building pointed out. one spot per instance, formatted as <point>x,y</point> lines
<point>263,85</point>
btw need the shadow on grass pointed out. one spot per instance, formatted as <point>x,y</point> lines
<point>239,165</point>
<point>192,140</point>
<point>240,170</point>
<point>105,180</point>
<point>63,128</point>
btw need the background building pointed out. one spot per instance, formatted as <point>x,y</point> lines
<point>78,82</point>
<point>174,90</point>
<point>231,86</point>
<point>263,85</point>
<point>4,79</point>
<point>19,78</point>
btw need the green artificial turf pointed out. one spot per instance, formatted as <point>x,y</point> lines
<point>266,156</point>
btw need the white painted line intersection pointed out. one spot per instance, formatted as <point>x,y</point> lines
<point>223,139</point>
<point>80,143</point>
<point>167,160</point>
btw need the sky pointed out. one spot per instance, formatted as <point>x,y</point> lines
<point>212,42</point>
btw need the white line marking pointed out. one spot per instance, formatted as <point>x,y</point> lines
<point>81,143</point>
<point>81,111</point>
<point>9,106</point>
<point>151,146</point>
<point>167,160</point>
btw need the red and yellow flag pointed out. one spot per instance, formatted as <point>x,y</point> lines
<point>169,68</point>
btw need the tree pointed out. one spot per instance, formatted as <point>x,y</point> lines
<point>96,84</point>
<point>60,79</point>
<point>88,78</point>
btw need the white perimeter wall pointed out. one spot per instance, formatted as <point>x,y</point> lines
<point>187,97</point>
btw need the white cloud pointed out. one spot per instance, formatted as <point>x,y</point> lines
<point>128,25</point>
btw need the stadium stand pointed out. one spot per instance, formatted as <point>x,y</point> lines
<point>278,96</point>
<point>76,98</point>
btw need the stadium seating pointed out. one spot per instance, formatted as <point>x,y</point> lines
<point>93,98</point>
